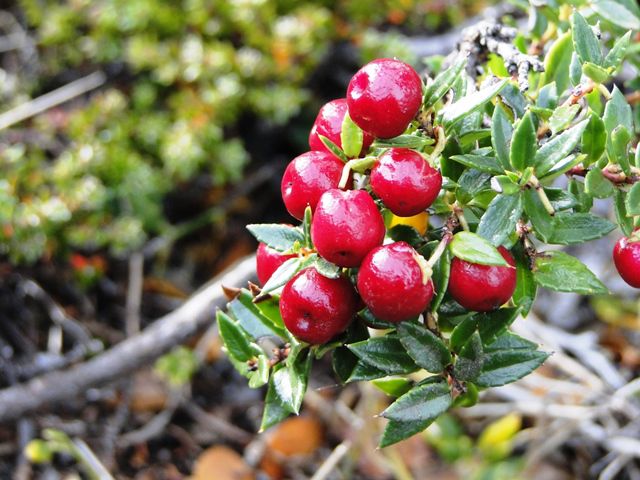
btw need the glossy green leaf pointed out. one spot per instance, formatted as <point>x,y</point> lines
<point>351,137</point>
<point>235,340</point>
<point>558,148</point>
<point>480,162</point>
<point>440,277</point>
<point>393,386</point>
<point>562,117</point>
<point>471,183</point>
<point>561,272</point>
<point>344,362</point>
<point>251,319</point>
<point>540,219</point>
<point>523,144</point>
<point>595,72</point>
<point>412,141</point>
<point>462,332</point>
<point>500,219</point>
<point>279,237</point>
<point>596,185</point>
<point>260,376</point>
<point>585,42</point>
<point>364,372</point>
<point>426,349</point>
<point>469,362</point>
<point>526,286</point>
<point>616,55</point>
<point>274,408</point>
<point>616,13</point>
<point>510,341</point>
<point>620,138</point>
<point>575,228</point>
<point>560,199</point>
<point>594,139</point>
<point>617,112</point>
<point>632,202</point>
<point>285,272</point>
<point>506,366</point>
<point>575,70</point>
<point>475,249</point>
<point>501,133</point>
<point>384,353</point>
<point>493,324</point>
<point>290,383</point>
<point>624,221</point>
<point>395,431</point>
<point>333,148</point>
<point>557,62</point>
<point>422,402</point>
<point>450,114</point>
<point>326,268</point>
<point>443,82</point>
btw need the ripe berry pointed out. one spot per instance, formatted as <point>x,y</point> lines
<point>306,178</point>
<point>482,288</point>
<point>267,261</point>
<point>405,182</point>
<point>315,308</point>
<point>626,256</point>
<point>329,124</point>
<point>384,96</point>
<point>346,226</point>
<point>392,283</point>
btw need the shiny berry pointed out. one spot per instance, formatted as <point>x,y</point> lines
<point>384,96</point>
<point>482,288</point>
<point>405,182</point>
<point>306,178</point>
<point>315,308</point>
<point>267,261</point>
<point>626,256</point>
<point>392,282</point>
<point>329,124</point>
<point>346,226</point>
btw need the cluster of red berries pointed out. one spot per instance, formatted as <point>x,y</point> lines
<point>393,279</point>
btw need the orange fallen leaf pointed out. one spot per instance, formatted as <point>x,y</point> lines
<point>221,463</point>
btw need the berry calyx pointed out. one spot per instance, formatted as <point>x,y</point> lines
<point>384,96</point>
<point>392,283</point>
<point>315,308</point>
<point>306,178</point>
<point>329,124</point>
<point>346,226</point>
<point>405,182</point>
<point>482,288</point>
<point>626,257</point>
<point>267,261</point>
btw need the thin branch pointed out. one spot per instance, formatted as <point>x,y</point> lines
<point>129,355</point>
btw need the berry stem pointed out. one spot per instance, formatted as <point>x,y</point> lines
<point>533,181</point>
<point>437,253</point>
<point>358,164</point>
<point>438,148</point>
<point>457,209</point>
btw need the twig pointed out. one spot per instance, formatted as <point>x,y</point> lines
<point>52,99</point>
<point>614,467</point>
<point>134,293</point>
<point>332,460</point>
<point>216,424</point>
<point>129,355</point>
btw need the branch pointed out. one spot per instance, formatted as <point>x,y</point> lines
<point>131,354</point>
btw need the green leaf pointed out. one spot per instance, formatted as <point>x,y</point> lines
<point>422,402</point>
<point>500,219</point>
<point>251,319</point>
<point>278,237</point>
<point>624,221</point>
<point>526,287</point>
<point>540,219</point>
<point>620,138</point>
<point>333,148</point>
<point>306,226</point>
<point>285,272</point>
<point>594,139</point>
<point>440,277</point>
<point>344,362</point>
<point>462,332</point>
<point>557,62</point>
<point>426,349</point>
<point>616,55</point>
<point>415,142</point>
<point>561,272</point>
<point>507,366</point>
<point>632,202</point>
<point>596,185</point>
<point>558,148</point>
<point>260,376</point>
<point>523,144</point>
<point>351,137</point>
<point>443,82</point>
<point>290,383</point>
<point>469,362</point>
<point>562,117</point>
<point>480,162</point>
<point>471,183</point>
<point>450,114</point>
<point>501,133</point>
<point>395,431</point>
<point>384,353</point>
<point>493,324</point>
<point>617,112</point>
<point>475,249</point>
<point>235,340</point>
<point>616,13</point>
<point>595,72</point>
<point>575,70</point>
<point>274,409</point>
<point>364,372</point>
<point>560,199</point>
<point>585,42</point>
<point>393,386</point>
<point>510,341</point>
<point>326,268</point>
<point>573,228</point>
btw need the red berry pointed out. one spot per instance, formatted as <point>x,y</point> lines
<point>405,182</point>
<point>482,288</point>
<point>384,96</point>
<point>306,178</point>
<point>315,308</point>
<point>329,124</point>
<point>346,226</point>
<point>267,261</point>
<point>392,284</point>
<point>626,256</point>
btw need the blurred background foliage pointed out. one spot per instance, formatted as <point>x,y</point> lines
<point>187,82</point>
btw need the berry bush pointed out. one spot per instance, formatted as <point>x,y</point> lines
<point>505,147</point>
